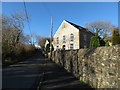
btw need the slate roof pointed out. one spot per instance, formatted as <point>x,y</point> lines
<point>79,27</point>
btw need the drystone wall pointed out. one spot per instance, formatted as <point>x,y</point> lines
<point>98,67</point>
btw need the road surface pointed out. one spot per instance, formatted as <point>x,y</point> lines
<point>38,73</point>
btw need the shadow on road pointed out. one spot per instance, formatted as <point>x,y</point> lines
<point>56,77</point>
<point>27,75</point>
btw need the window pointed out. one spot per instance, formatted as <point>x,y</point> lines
<point>71,46</point>
<point>64,27</point>
<point>71,37</point>
<point>64,39</point>
<point>57,48</point>
<point>63,47</point>
<point>57,40</point>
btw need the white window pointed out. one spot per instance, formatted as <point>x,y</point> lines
<point>71,46</point>
<point>64,39</point>
<point>71,37</point>
<point>57,40</point>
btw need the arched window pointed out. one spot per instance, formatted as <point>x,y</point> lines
<point>57,40</point>
<point>71,37</point>
<point>64,39</point>
<point>71,46</point>
<point>63,47</point>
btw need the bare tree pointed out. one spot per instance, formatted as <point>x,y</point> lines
<point>39,37</point>
<point>13,38</point>
<point>28,39</point>
<point>18,19</point>
<point>42,41</point>
<point>12,27</point>
<point>101,28</point>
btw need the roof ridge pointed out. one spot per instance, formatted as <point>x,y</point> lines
<point>74,24</point>
<point>79,27</point>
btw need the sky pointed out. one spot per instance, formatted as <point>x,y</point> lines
<point>75,12</point>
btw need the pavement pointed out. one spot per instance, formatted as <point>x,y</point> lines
<point>38,73</point>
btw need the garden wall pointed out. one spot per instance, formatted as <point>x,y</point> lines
<point>97,67</point>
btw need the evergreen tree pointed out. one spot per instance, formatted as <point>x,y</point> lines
<point>94,42</point>
<point>115,37</point>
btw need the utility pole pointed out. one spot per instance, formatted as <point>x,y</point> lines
<point>51,27</point>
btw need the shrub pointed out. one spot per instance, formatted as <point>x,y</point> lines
<point>29,49</point>
<point>115,37</point>
<point>81,79</point>
<point>7,51</point>
<point>94,42</point>
<point>107,43</point>
<point>19,52</point>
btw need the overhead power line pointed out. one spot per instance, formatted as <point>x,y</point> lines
<point>50,15</point>
<point>27,16</point>
<point>27,20</point>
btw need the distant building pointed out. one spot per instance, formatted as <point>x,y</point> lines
<point>37,46</point>
<point>47,42</point>
<point>47,45</point>
<point>71,36</point>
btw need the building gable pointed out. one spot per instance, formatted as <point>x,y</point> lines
<point>70,35</point>
<point>62,29</point>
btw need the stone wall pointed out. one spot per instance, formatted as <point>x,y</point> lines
<point>96,67</point>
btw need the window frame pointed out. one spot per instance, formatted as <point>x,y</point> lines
<point>71,45</point>
<point>64,39</point>
<point>71,37</point>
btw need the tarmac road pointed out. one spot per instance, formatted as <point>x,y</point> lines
<point>25,74</point>
<point>38,73</point>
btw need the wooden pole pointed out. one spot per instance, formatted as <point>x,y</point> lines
<point>51,27</point>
